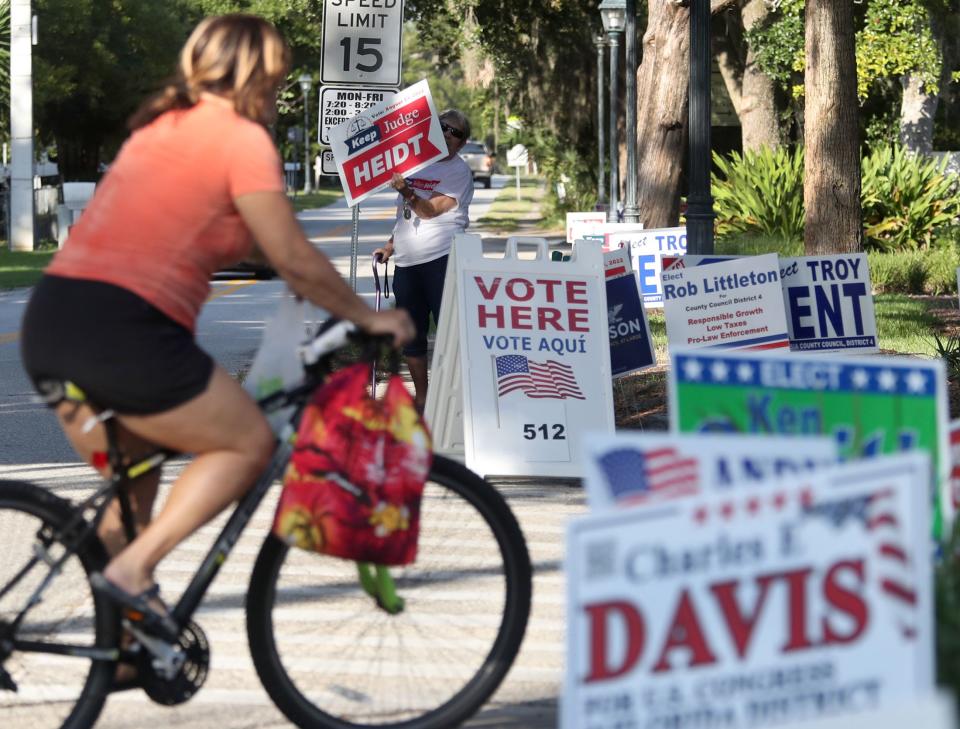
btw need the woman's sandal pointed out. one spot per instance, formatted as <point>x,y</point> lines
<point>137,608</point>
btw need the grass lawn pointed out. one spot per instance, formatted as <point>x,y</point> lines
<point>22,268</point>
<point>316,199</point>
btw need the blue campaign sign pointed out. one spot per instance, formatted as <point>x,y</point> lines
<point>829,303</point>
<point>647,250</point>
<point>631,347</point>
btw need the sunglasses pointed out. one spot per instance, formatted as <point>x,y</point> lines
<point>447,129</point>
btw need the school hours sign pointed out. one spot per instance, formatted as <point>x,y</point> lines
<point>361,42</point>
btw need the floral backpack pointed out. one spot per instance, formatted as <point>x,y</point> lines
<point>354,483</point>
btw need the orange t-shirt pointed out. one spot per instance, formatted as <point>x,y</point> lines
<point>163,220</point>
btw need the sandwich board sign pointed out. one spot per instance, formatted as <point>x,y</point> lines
<point>654,468</point>
<point>754,608</point>
<point>361,42</point>
<point>735,304</point>
<point>869,405</point>
<point>338,104</point>
<point>522,344</point>
<point>401,134</point>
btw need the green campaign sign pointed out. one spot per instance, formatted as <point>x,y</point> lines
<point>869,405</point>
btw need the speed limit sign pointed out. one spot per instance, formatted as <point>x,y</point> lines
<point>361,42</point>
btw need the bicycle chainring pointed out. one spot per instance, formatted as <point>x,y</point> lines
<point>188,680</point>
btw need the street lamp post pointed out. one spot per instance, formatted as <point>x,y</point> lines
<point>600,42</point>
<point>306,81</point>
<point>631,213</point>
<point>612,14</point>
<point>699,200</point>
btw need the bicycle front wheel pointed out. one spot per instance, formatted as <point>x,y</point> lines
<point>329,657</point>
<point>46,651</point>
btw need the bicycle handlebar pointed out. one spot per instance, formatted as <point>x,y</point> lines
<point>334,337</point>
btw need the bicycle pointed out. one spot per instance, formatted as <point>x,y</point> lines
<point>60,641</point>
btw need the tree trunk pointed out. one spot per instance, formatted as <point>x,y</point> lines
<point>758,109</point>
<point>662,113</point>
<point>831,188</point>
<point>917,111</point>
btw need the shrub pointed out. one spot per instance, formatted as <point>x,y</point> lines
<point>903,273</point>
<point>941,265</point>
<point>906,200</point>
<point>760,192</point>
<point>558,162</point>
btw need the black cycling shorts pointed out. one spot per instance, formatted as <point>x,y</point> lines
<point>122,351</point>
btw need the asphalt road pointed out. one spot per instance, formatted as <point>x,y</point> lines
<point>32,447</point>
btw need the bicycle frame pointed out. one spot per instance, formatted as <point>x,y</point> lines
<point>116,486</point>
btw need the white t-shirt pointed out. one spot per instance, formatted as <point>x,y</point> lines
<point>417,241</point>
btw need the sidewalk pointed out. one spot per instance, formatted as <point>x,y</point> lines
<point>510,218</point>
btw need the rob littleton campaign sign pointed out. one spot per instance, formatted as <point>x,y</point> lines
<point>731,304</point>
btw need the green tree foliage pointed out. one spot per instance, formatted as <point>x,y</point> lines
<point>544,60</point>
<point>895,38</point>
<point>908,202</point>
<point>94,62</point>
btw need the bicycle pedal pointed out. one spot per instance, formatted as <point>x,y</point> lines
<point>6,681</point>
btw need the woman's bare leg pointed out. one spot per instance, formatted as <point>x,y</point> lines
<point>142,491</point>
<point>233,442</point>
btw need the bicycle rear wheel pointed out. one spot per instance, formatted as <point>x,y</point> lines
<point>53,690</point>
<point>329,657</point>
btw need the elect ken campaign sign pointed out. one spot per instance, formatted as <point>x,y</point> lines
<point>400,135</point>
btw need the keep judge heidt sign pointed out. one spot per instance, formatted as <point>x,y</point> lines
<point>400,135</point>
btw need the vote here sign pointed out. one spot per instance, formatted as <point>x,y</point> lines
<point>730,304</point>
<point>829,303</point>
<point>535,358</point>
<point>753,609</point>
<point>400,135</point>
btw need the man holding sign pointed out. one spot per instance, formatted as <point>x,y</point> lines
<point>433,206</point>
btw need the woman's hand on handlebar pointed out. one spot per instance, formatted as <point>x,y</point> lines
<point>395,322</point>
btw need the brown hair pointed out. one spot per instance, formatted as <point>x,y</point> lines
<point>239,56</point>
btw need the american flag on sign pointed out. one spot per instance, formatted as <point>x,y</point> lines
<point>548,379</point>
<point>634,475</point>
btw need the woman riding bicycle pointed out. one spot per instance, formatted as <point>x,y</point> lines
<point>198,180</point>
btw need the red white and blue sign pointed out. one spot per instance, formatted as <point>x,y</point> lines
<point>756,608</point>
<point>400,135</point>
<point>829,303</point>
<point>735,304</point>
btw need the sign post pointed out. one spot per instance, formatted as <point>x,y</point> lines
<point>517,157</point>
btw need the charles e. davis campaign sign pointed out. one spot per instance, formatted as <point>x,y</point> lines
<point>758,608</point>
<point>401,134</point>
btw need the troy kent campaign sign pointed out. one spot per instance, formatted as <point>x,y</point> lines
<point>399,135</point>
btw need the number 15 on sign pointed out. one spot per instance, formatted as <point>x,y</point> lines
<point>361,42</point>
